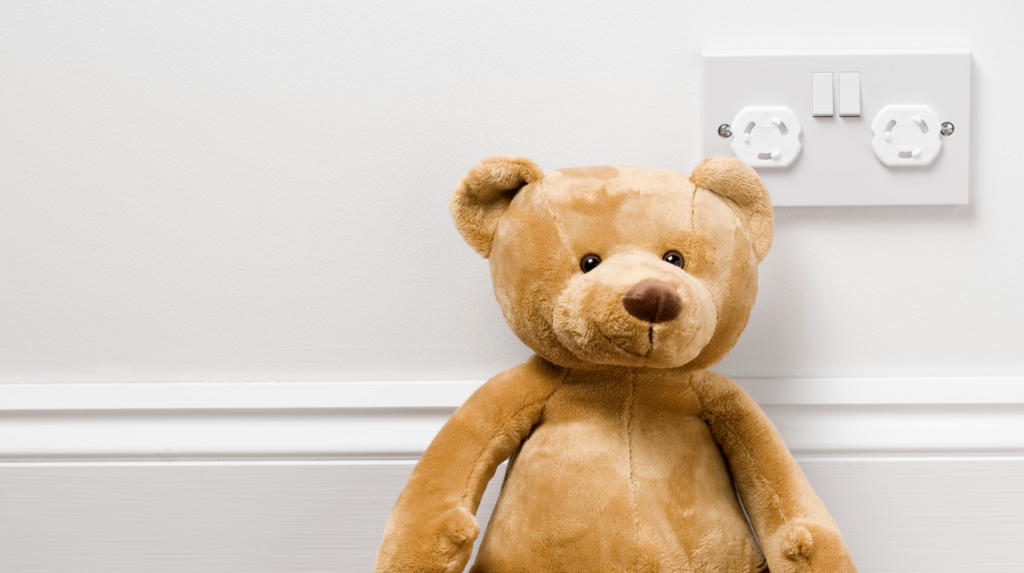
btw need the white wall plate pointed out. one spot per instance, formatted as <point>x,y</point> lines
<point>837,164</point>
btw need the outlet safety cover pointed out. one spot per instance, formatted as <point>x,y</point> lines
<point>906,135</point>
<point>766,136</point>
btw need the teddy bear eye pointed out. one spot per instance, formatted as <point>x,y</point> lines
<point>588,263</point>
<point>673,258</point>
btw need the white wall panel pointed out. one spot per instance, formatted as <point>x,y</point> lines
<point>940,514</point>
<point>925,513</point>
<point>216,518</point>
<point>257,190</point>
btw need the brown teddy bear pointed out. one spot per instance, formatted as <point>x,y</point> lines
<point>625,452</point>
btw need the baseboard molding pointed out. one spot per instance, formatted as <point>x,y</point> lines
<point>396,420</point>
<point>920,475</point>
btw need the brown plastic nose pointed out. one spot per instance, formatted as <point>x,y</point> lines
<point>652,301</point>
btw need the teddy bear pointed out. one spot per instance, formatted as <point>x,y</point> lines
<point>625,453</point>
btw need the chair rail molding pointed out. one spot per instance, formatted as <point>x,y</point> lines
<point>264,421</point>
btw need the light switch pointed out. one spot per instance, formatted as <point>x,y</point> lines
<point>821,94</point>
<point>849,94</point>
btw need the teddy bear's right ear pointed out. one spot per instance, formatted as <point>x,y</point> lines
<point>730,177</point>
<point>485,193</point>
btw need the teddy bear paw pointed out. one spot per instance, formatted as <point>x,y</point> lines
<point>456,529</point>
<point>806,546</point>
<point>442,544</point>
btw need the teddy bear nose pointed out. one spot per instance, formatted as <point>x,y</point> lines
<point>652,301</point>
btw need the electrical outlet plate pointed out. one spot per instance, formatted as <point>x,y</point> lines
<point>837,162</point>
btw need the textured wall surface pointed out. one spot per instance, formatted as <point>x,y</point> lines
<point>252,190</point>
<point>943,515</point>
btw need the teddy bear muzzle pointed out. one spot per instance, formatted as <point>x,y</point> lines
<point>652,301</point>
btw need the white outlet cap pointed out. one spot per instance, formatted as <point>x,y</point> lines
<point>766,136</point>
<point>906,135</point>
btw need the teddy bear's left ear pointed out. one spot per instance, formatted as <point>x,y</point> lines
<point>485,193</point>
<point>730,177</point>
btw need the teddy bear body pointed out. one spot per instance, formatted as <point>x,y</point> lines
<point>620,466</point>
<point>625,452</point>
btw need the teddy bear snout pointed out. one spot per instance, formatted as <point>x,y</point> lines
<point>652,301</point>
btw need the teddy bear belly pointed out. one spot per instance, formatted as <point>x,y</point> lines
<point>619,495</point>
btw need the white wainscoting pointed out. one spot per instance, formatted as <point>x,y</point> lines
<point>921,474</point>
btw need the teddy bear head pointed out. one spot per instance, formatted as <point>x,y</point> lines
<point>604,267</point>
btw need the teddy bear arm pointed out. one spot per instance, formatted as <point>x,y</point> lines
<point>792,524</point>
<point>433,526</point>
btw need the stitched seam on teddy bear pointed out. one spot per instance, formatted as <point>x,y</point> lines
<point>554,218</point>
<point>630,415</point>
<point>693,224</point>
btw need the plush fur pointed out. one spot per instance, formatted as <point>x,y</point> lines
<point>625,452</point>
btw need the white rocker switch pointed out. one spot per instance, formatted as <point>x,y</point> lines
<point>821,94</point>
<point>849,94</point>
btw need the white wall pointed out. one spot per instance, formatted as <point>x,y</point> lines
<point>259,191</point>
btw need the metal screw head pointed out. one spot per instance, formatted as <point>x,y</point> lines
<point>947,128</point>
<point>725,130</point>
